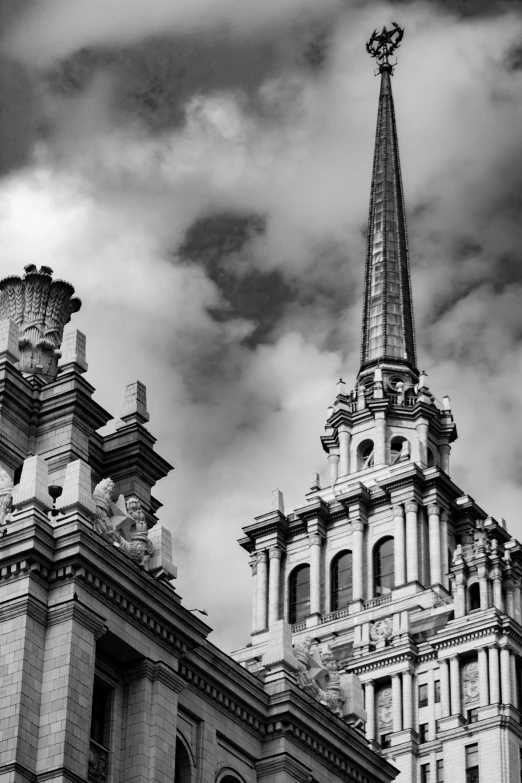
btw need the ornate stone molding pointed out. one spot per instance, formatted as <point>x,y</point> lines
<point>274,553</point>
<point>433,509</point>
<point>156,671</point>
<point>284,763</point>
<point>262,557</point>
<point>398,511</point>
<point>41,307</point>
<point>72,609</point>
<point>411,506</point>
<point>314,539</point>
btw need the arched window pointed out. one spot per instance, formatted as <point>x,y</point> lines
<point>182,762</point>
<point>474,597</point>
<point>299,594</point>
<point>399,450</point>
<point>342,589</point>
<point>365,455</point>
<point>383,567</point>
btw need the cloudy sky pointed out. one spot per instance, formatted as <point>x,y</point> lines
<point>200,171</point>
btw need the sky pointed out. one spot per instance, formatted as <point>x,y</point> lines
<point>200,171</point>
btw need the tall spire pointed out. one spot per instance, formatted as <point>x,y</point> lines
<point>388,334</point>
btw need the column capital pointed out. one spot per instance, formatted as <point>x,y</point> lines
<point>453,657</point>
<point>253,566</point>
<point>262,556</point>
<point>433,509</point>
<point>274,552</point>
<point>411,506</point>
<point>357,525</point>
<point>445,517</point>
<point>398,511</point>
<point>333,456</point>
<point>492,646</point>
<point>396,676</point>
<point>314,539</point>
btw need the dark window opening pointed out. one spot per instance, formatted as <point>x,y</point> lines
<point>437,691</point>
<point>385,740</point>
<point>474,597</point>
<point>423,695</point>
<point>365,456</point>
<point>472,766</point>
<point>423,732</point>
<point>431,458</point>
<point>342,588</point>
<point>300,594</point>
<point>383,567</point>
<point>18,474</point>
<point>100,701</point>
<point>440,770</point>
<point>425,773</point>
<point>473,715</point>
<point>399,450</point>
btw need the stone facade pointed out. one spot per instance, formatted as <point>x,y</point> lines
<point>104,676</point>
<point>391,569</point>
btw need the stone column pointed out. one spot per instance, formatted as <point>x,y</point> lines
<point>407,693</point>
<point>357,559</point>
<point>444,688</point>
<point>274,584</point>
<point>422,437</point>
<point>434,538</point>
<point>494,678</point>
<point>432,730</point>
<point>483,587</point>
<point>380,439</point>
<point>505,674</point>
<point>262,590</point>
<point>67,685</point>
<point>396,702</point>
<point>455,684</point>
<point>444,519</point>
<point>314,542</point>
<point>151,704</point>
<point>510,600</point>
<point>514,681</point>
<point>333,464</point>
<point>444,452</point>
<point>344,450</point>
<point>497,591</point>
<point>369,702</point>
<point>483,677</point>
<point>253,566</point>
<point>412,541</point>
<point>400,569</point>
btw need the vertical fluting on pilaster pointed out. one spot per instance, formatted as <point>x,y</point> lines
<point>274,582</point>
<point>399,545</point>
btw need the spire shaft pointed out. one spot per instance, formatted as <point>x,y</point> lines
<point>388,329</point>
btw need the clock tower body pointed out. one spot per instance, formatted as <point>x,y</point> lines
<point>391,569</point>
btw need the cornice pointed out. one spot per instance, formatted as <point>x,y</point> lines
<point>155,671</point>
<point>217,694</point>
<point>72,609</point>
<point>284,763</point>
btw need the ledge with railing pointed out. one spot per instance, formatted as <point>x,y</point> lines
<point>98,763</point>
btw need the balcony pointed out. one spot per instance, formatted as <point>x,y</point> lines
<point>98,763</point>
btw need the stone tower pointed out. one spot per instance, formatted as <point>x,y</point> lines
<point>392,570</point>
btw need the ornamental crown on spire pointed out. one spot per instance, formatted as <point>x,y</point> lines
<point>382,45</point>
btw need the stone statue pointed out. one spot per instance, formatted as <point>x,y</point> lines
<point>103,524</point>
<point>140,546</point>
<point>335,695</point>
<point>6,494</point>
<point>310,670</point>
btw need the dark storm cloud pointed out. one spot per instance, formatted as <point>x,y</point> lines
<point>206,188</point>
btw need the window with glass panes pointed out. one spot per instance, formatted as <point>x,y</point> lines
<point>342,581</point>
<point>437,691</point>
<point>300,594</point>
<point>423,732</point>
<point>384,567</point>
<point>425,773</point>
<point>440,770</point>
<point>423,695</point>
<point>472,763</point>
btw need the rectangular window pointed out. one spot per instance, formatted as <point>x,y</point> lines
<point>425,773</point>
<point>437,691</point>
<point>440,770</point>
<point>473,715</point>
<point>423,732</point>
<point>472,763</point>
<point>99,712</point>
<point>385,740</point>
<point>423,695</point>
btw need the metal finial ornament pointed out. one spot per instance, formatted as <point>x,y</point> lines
<point>382,45</point>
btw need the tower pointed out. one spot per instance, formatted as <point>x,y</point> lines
<point>392,570</point>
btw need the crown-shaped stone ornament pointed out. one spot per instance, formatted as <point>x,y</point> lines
<point>40,306</point>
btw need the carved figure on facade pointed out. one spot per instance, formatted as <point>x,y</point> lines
<point>384,710</point>
<point>470,682</point>
<point>381,629</point>
<point>6,495</point>
<point>319,677</point>
<point>140,546</point>
<point>40,306</point>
